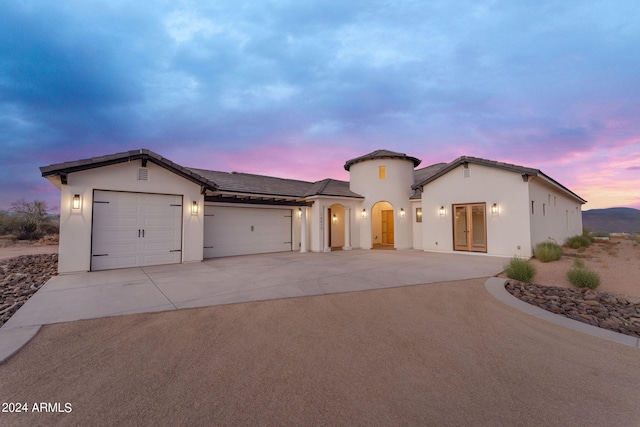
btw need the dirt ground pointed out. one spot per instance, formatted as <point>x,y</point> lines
<point>617,261</point>
<point>12,250</point>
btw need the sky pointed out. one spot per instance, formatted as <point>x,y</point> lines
<point>295,88</point>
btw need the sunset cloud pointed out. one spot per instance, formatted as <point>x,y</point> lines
<point>294,89</point>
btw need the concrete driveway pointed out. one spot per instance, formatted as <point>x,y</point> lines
<point>232,280</point>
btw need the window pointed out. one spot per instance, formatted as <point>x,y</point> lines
<point>544,209</point>
<point>533,205</point>
<point>554,201</point>
<point>418,214</point>
<point>382,172</point>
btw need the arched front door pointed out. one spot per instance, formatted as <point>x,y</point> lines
<point>382,226</point>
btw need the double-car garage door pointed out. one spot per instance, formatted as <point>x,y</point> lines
<point>232,231</point>
<point>135,229</point>
<point>141,229</point>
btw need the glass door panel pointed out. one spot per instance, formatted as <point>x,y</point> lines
<point>460,227</point>
<point>478,228</point>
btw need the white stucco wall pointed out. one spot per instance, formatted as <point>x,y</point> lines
<point>556,216</point>
<point>507,232</point>
<point>75,226</point>
<point>394,189</point>
<point>417,226</point>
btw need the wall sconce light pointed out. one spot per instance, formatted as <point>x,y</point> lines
<point>364,213</point>
<point>442,211</point>
<point>494,209</point>
<point>76,204</point>
<point>194,208</point>
<point>299,212</point>
<point>335,218</point>
<point>402,213</point>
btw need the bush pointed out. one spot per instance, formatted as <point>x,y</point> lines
<point>548,251</point>
<point>577,242</point>
<point>583,278</point>
<point>520,269</point>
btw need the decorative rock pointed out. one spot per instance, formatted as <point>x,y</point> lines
<point>616,313</point>
<point>20,278</point>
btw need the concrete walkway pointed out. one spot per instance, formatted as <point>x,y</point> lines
<point>231,280</point>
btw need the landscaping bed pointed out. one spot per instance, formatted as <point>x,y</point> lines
<point>601,309</point>
<point>20,278</point>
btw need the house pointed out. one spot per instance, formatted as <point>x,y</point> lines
<point>138,208</point>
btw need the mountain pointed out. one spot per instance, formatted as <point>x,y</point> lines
<point>613,220</point>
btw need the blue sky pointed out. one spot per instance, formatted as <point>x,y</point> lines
<point>294,89</point>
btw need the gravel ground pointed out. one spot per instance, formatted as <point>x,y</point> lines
<point>20,278</point>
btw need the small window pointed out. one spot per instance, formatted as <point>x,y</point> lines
<point>533,207</point>
<point>418,214</point>
<point>549,201</point>
<point>382,172</point>
<point>554,201</point>
<point>544,209</point>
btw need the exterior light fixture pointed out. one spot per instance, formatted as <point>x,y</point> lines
<point>76,204</point>
<point>402,213</point>
<point>442,211</point>
<point>494,209</point>
<point>364,213</point>
<point>335,218</point>
<point>299,212</point>
<point>194,208</point>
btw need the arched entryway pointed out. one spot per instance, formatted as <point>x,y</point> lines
<point>337,227</point>
<point>382,226</point>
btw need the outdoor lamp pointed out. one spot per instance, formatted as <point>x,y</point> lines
<point>494,209</point>
<point>335,218</point>
<point>76,202</point>
<point>194,208</point>
<point>402,213</point>
<point>442,211</point>
<point>299,212</point>
<point>364,213</point>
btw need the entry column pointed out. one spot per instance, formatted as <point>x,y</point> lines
<point>324,223</point>
<point>347,229</point>
<point>303,229</point>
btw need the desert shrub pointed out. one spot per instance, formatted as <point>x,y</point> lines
<point>583,278</point>
<point>548,251</point>
<point>520,269</point>
<point>577,242</point>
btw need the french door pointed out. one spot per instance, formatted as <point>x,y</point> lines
<point>470,227</point>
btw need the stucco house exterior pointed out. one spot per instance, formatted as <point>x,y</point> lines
<point>138,208</point>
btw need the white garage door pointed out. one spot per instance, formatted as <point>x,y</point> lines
<point>135,229</point>
<point>232,231</point>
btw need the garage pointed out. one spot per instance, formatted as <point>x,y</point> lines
<point>135,229</point>
<point>232,231</point>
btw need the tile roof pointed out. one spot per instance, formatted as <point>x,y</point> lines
<point>237,182</point>
<point>331,187</point>
<point>381,154</point>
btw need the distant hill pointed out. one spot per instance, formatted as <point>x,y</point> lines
<point>613,220</point>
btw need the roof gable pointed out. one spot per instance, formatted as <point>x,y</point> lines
<point>522,170</point>
<point>63,169</point>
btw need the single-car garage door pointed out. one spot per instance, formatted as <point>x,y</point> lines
<point>135,229</point>
<point>232,231</point>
